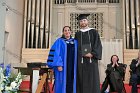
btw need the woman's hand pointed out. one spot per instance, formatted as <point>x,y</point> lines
<point>113,65</point>
<point>117,64</point>
<point>60,68</point>
<point>89,55</point>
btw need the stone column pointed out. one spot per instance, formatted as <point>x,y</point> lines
<point>2,29</point>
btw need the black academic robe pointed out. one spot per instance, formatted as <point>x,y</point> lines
<point>134,70</point>
<point>87,72</point>
<point>114,78</point>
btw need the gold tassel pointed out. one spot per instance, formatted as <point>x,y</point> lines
<point>90,60</point>
<point>82,60</point>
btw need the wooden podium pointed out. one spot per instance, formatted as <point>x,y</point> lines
<point>35,74</point>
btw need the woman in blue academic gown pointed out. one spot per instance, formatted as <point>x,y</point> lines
<point>63,59</point>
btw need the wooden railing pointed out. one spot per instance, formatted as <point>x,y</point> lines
<point>85,1</point>
<point>41,83</point>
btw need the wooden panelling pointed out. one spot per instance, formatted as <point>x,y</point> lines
<point>34,55</point>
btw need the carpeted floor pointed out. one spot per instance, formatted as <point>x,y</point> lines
<point>25,85</point>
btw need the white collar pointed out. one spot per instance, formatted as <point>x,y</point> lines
<point>85,30</point>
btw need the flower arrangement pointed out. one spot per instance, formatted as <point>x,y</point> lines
<point>8,82</point>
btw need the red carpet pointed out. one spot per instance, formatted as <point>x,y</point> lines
<point>25,85</point>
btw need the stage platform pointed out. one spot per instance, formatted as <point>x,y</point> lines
<point>25,86</point>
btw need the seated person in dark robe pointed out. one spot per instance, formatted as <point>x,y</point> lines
<point>115,73</point>
<point>135,74</point>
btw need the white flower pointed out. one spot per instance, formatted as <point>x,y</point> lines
<point>20,81</point>
<point>5,81</point>
<point>13,84</point>
<point>1,88</point>
<point>8,88</point>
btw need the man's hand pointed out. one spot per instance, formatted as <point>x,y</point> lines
<point>60,68</point>
<point>89,55</point>
<point>138,62</point>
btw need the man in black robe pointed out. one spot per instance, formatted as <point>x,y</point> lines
<point>135,74</point>
<point>115,73</point>
<point>89,52</point>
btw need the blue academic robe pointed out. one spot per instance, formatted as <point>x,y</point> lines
<point>58,57</point>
